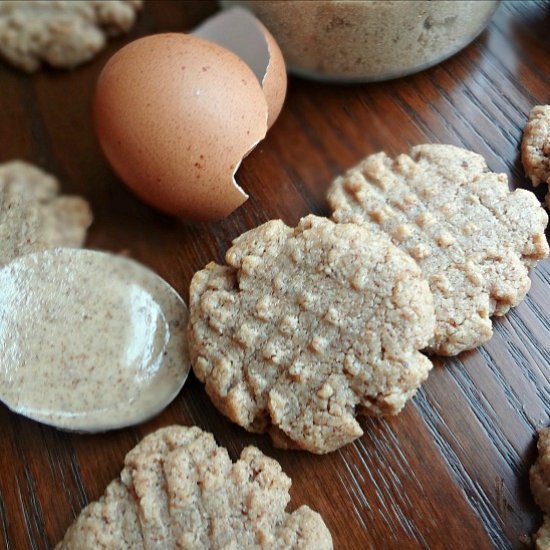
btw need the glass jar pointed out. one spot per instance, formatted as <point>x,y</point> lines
<point>370,40</point>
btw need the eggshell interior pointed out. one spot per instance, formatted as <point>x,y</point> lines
<point>175,114</point>
<point>275,80</point>
<point>240,32</point>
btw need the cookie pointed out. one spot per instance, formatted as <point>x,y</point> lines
<point>542,537</point>
<point>178,489</point>
<point>535,147</point>
<point>308,326</point>
<point>474,240</point>
<point>33,216</point>
<point>110,523</point>
<point>62,34</point>
<point>540,486</point>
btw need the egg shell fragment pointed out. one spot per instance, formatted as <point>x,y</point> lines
<point>175,115</point>
<point>237,30</point>
<point>275,80</point>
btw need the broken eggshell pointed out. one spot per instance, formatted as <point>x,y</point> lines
<point>239,31</point>
<point>175,114</point>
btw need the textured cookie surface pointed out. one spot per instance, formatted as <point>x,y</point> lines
<point>178,489</point>
<point>60,33</point>
<point>111,522</point>
<point>535,147</point>
<point>33,216</point>
<point>473,239</point>
<point>540,485</point>
<point>306,327</point>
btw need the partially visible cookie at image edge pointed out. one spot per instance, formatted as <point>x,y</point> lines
<point>540,486</point>
<point>535,147</point>
<point>179,489</point>
<point>33,216</point>
<point>60,33</point>
<point>474,240</point>
<point>307,327</point>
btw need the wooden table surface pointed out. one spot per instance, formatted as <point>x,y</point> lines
<point>451,471</point>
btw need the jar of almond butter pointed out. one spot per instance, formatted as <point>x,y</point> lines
<point>365,40</point>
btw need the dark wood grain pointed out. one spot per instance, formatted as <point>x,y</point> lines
<point>451,470</point>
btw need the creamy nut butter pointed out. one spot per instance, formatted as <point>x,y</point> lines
<point>89,341</point>
<point>364,40</point>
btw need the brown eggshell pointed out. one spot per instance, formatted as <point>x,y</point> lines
<point>238,30</point>
<point>175,114</point>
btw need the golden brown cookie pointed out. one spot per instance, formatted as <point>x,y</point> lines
<point>474,240</point>
<point>33,216</point>
<point>307,327</point>
<point>61,33</point>
<point>178,489</point>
